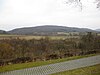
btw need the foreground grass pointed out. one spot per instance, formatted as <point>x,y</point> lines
<point>92,70</point>
<point>38,63</point>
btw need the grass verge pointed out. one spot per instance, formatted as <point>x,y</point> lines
<point>38,63</point>
<point>92,70</point>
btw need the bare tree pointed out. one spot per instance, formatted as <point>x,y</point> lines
<point>98,3</point>
<point>80,3</point>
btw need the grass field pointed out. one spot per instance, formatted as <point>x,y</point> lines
<point>92,70</point>
<point>28,37</point>
<point>38,63</point>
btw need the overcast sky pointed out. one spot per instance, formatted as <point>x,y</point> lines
<point>29,13</point>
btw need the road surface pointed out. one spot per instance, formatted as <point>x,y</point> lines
<point>58,67</point>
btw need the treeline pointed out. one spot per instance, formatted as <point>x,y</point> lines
<point>20,51</point>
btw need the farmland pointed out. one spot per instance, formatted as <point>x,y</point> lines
<point>58,36</point>
<point>28,37</point>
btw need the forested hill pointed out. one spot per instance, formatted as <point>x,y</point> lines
<point>98,30</point>
<point>48,29</point>
<point>3,32</point>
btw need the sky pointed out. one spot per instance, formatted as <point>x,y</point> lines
<point>30,13</point>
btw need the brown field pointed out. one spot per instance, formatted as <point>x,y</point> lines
<point>28,37</point>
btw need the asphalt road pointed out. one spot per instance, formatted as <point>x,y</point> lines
<point>58,67</point>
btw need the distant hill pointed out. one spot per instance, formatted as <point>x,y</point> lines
<point>3,32</point>
<point>48,29</point>
<point>97,30</point>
